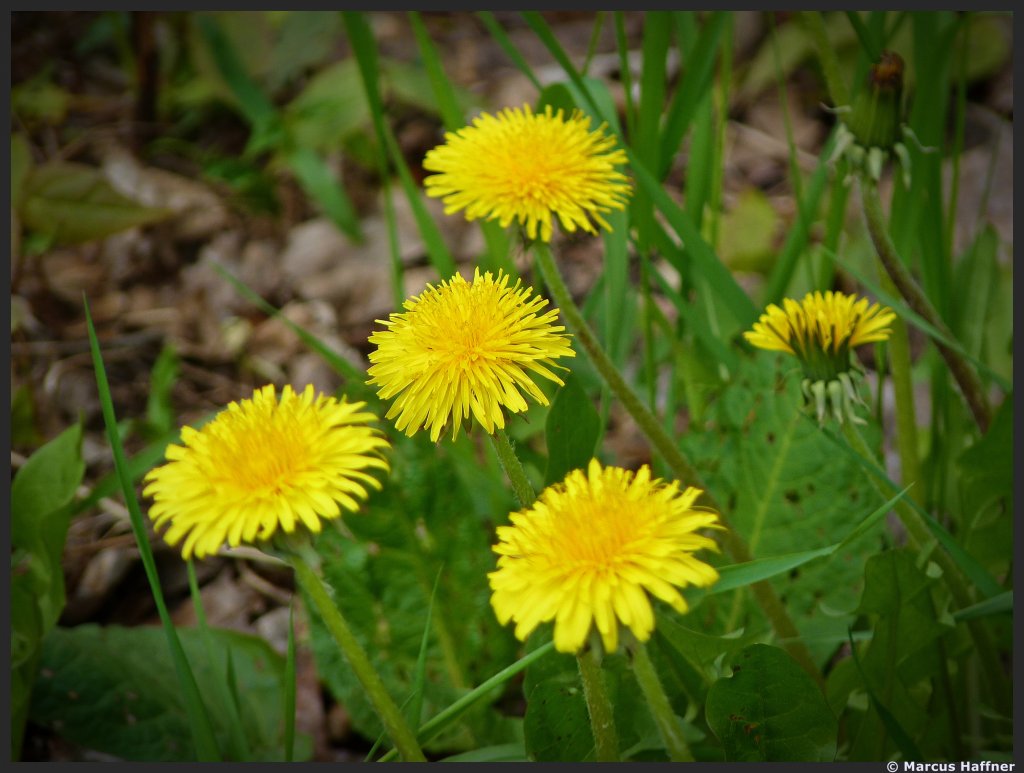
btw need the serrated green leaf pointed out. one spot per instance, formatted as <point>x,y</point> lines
<point>74,203</point>
<point>572,429</point>
<point>771,710</point>
<point>789,490</point>
<point>130,705</point>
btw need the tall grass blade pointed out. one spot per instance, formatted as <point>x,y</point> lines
<point>289,689</point>
<point>199,721</point>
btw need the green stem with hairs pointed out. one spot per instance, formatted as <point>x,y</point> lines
<point>390,715</point>
<point>666,446</point>
<point>966,378</point>
<point>669,726</point>
<point>513,468</point>
<point>599,707</point>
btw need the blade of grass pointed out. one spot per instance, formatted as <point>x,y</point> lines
<point>868,42</point>
<point>199,721</point>
<point>289,689</point>
<point>364,46</point>
<point>997,605</point>
<point>354,377</point>
<point>315,177</point>
<point>695,83</point>
<point>236,732</point>
<point>799,234</point>
<point>498,33</point>
<point>656,37</point>
<point>441,721</point>
<point>447,102</point>
<point>625,75</point>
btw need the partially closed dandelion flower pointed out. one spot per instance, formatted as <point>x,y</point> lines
<point>591,549</point>
<point>466,349</point>
<point>264,465</point>
<point>821,331</point>
<point>529,167</point>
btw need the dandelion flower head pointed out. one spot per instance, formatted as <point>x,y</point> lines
<point>529,167</point>
<point>821,330</point>
<point>592,550</point>
<point>466,349</point>
<point>264,465</point>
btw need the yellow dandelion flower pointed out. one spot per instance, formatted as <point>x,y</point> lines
<point>821,331</point>
<point>262,465</point>
<point>591,550</point>
<point>466,349</point>
<point>527,167</point>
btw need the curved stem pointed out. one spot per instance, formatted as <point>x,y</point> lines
<point>666,446</point>
<point>669,726</point>
<point>966,378</point>
<point>599,707</point>
<point>513,468</point>
<point>357,658</point>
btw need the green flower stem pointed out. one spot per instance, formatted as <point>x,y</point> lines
<point>966,378</point>
<point>920,537</point>
<point>599,707</point>
<point>906,421</point>
<point>763,592</point>
<point>394,723</point>
<point>669,726</point>
<point>513,468</point>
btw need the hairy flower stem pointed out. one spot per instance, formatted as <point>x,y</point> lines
<point>394,722</point>
<point>920,538</point>
<point>966,378</point>
<point>669,726</point>
<point>513,468</point>
<point>599,707</point>
<point>763,592</point>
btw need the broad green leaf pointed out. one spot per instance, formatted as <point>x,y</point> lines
<point>316,180</point>
<point>572,429</point>
<point>114,690</point>
<point>771,710</point>
<point>73,203</point>
<point>46,483</point>
<point>698,648</point>
<point>557,724</point>
<point>902,654</point>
